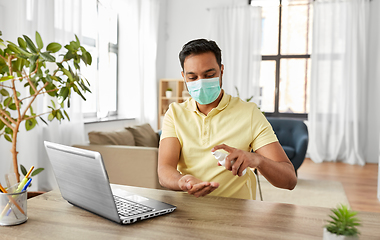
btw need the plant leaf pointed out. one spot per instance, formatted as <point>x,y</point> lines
<point>89,58</point>
<point>8,101</point>
<point>53,47</point>
<point>25,53</point>
<point>40,44</point>
<point>51,117</point>
<point>8,138</point>
<point>12,106</point>
<point>53,103</point>
<point>8,130</point>
<point>31,91</point>
<point>4,92</point>
<point>76,37</point>
<point>64,93</point>
<point>37,171</point>
<point>43,120</point>
<point>13,48</point>
<point>3,124</point>
<point>68,74</point>
<point>30,124</point>
<point>6,78</point>
<point>30,44</point>
<point>46,56</point>
<point>67,115</point>
<point>23,170</point>
<point>21,43</point>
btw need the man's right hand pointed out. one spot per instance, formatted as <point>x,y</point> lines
<point>196,187</point>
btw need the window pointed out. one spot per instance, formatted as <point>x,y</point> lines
<point>100,38</point>
<point>286,49</point>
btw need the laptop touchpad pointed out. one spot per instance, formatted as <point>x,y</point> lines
<point>129,196</point>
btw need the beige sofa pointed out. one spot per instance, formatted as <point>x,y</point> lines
<point>130,155</point>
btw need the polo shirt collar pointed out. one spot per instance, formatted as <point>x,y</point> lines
<point>224,101</point>
<point>222,104</point>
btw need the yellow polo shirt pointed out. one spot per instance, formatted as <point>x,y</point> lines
<point>233,122</point>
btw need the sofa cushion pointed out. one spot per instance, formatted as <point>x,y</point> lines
<point>144,135</point>
<point>120,137</point>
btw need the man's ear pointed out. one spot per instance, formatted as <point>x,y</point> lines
<point>221,75</point>
<point>184,80</point>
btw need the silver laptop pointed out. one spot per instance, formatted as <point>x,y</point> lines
<point>83,182</point>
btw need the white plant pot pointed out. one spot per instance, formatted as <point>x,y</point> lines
<point>168,94</point>
<point>331,236</point>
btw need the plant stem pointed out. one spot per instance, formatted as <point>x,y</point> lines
<point>9,118</point>
<point>34,97</point>
<point>3,86</point>
<point>17,124</point>
<point>36,116</point>
<point>5,121</point>
<point>51,90</point>
<point>4,58</point>
<point>28,79</point>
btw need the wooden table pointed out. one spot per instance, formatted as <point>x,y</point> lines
<point>51,217</point>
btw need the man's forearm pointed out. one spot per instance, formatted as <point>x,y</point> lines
<point>279,174</point>
<point>169,177</point>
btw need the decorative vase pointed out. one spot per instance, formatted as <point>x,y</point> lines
<point>168,94</point>
<point>331,236</point>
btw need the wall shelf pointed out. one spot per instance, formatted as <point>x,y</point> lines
<point>179,94</point>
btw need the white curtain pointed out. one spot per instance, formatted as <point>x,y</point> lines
<point>373,146</point>
<point>56,21</point>
<point>138,33</point>
<point>338,97</point>
<point>237,31</point>
<point>148,34</point>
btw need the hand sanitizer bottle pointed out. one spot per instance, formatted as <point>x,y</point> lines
<point>221,157</point>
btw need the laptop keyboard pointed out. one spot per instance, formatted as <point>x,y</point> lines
<point>128,208</point>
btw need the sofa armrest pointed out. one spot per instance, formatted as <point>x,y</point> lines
<point>129,165</point>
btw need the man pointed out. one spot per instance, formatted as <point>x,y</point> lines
<point>213,120</point>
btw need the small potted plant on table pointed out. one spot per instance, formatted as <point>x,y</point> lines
<point>342,225</point>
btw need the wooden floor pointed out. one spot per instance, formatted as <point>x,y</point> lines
<point>360,183</point>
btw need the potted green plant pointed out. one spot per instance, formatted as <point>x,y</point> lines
<point>342,225</point>
<point>28,66</point>
<point>168,92</point>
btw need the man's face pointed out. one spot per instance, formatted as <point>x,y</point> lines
<point>201,66</point>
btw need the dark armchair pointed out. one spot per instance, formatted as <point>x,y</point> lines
<point>293,137</point>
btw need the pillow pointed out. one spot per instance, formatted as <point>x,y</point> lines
<point>120,137</point>
<point>144,135</point>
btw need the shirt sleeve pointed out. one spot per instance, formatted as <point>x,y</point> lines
<point>168,126</point>
<point>262,131</point>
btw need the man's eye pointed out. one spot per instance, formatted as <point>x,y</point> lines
<point>193,78</point>
<point>210,76</point>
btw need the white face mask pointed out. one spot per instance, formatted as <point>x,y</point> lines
<point>204,91</point>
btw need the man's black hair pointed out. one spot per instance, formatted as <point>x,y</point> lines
<point>199,46</point>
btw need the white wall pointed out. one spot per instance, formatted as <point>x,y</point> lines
<point>187,20</point>
<point>373,124</point>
